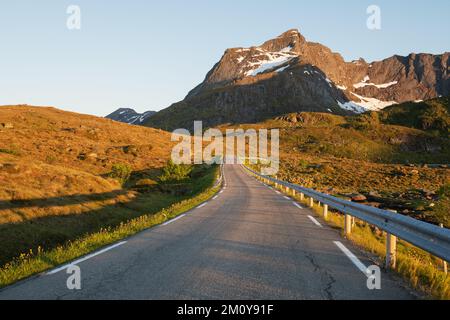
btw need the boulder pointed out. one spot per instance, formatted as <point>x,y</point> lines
<point>359,198</point>
<point>11,168</point>
<point>7,125</point>
<point>374,194</point>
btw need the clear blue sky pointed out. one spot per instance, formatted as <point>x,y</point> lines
<point>149,54</point>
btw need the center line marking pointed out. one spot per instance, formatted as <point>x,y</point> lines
<point>352,257</point>
<point>297,205</point>
<point>287,198</point>
<point>214,198</point>
<point>85,258</point>
<point>317,223</point>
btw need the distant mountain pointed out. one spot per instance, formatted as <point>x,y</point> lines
<point>130,116</point>
<point>289,74</point>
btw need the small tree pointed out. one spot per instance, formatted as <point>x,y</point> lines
<point>121,172</point>
<point>175,172</point>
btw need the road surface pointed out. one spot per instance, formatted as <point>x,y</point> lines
<point>249,242</point>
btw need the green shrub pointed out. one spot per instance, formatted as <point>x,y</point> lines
<point>303,164</point>
<point>121,172</point>
<point>50,159</point>
<point>364,121</point>
<point>444,191</point>
<point>9,151</point>
<point>175,172</point>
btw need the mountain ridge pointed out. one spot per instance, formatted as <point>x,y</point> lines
<point>130,116</point>
<point>290,74</point>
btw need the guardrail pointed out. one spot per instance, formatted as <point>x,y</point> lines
<point>428,237</point>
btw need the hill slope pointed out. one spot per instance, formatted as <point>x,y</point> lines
<point>431,115</point>
<point>346,156</point>
<point>54,175</point>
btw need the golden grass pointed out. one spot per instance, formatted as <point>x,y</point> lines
<point>33,262</point>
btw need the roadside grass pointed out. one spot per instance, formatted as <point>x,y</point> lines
<point>34,262</point>
<point>422,270</point>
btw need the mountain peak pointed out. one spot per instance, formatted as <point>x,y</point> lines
<point>291,33</point>
<point>129,115</point>
<point>290,74</point>
<point>289,39</point>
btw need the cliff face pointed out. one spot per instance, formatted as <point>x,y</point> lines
<point>290,74</point>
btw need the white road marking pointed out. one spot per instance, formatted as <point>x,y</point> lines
<point>221,191</point>
<point>202,205</point>
<point>287,198</point>
<point>297,205</point>
<point>317,223</point>
<point>85,258</point>
<point>214,198</point>
<point>352,257</point>
<point>173,220</point>
<point>278,192</point>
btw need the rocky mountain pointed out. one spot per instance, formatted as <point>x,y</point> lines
<point>130,116</point>
<point>290,74</point>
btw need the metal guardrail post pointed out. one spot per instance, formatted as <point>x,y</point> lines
<point>348,224</point>
<point>293,192</point>
<point>302,196</point>
<point>444,263</point>
<point>325,212</point>
<point>391,251</point>
<point>311,202</point>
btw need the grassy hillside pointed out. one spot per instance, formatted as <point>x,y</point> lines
<point>431,116</point>
<point>63,175</point>
<point>346,156</point>
<point>362,137</point>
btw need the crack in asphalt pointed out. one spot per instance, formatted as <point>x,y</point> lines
<point>325,276</point>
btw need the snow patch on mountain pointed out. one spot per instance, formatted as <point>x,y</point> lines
<point>272,60</point>
<point>351,106</point>
<point>373,104</point>
<point>264,61</point>
<point>128,115</point>
<point>365,83</point>
<point>282,68</point>
<point>365,104</point>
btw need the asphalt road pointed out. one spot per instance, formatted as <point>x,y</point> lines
<point>250,242</point>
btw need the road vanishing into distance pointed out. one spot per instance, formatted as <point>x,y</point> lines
<point>248,242</point>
